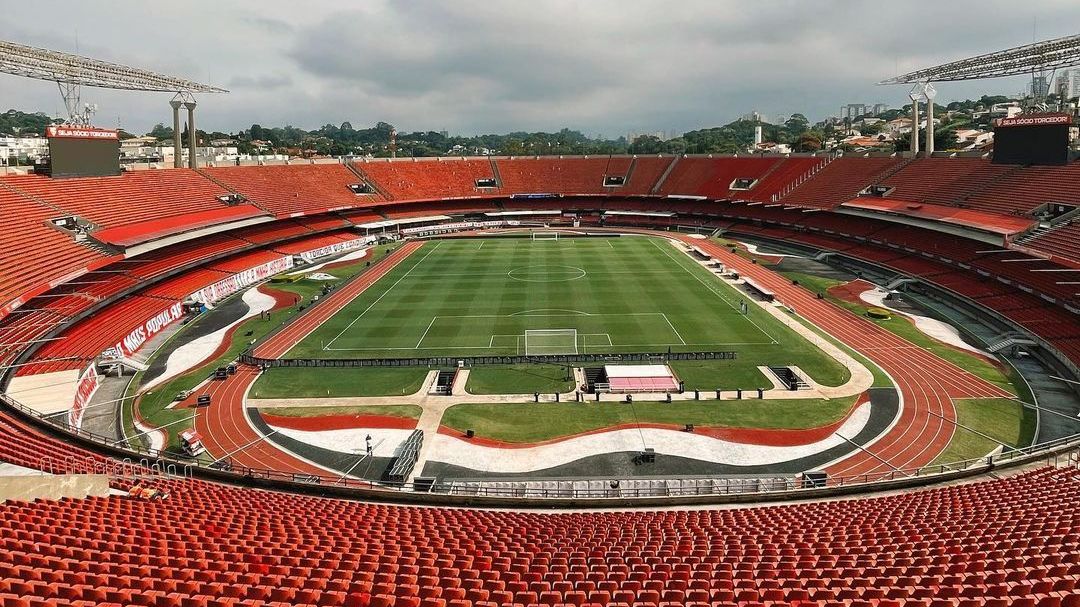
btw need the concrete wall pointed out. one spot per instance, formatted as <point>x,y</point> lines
<point>52,486</point>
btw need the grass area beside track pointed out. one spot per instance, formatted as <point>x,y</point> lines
<point>987,423</point>
<point>328,382</point>
<point>406,411</point>
<point>527,423</point>
<point>903,327</point>
<point>519,379</point>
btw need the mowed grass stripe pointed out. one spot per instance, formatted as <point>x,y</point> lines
<point>453,296</point>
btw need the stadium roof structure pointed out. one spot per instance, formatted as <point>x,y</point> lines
<point>1021,60</point>
<point>66,68</point>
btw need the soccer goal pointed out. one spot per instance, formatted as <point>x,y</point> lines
<point>539,342</point>
<point>545,235</point>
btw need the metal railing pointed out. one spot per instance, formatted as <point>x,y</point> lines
<point>132,460</point>
<point>471,361</point>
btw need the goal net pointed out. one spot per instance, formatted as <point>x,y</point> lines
<point>540,342</point>
<point>545,235</point>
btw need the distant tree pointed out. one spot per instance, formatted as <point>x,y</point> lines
<point>808,142</point>
<point>646,144</point>
<point>872,129</point>
<point>797,124</point>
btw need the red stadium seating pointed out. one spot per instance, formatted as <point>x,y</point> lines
<point>35,254</point>
<point>712,177</point>
<point>840,181</point>
<point>429,179</point>
<point>1062,241</point>
<point>130,198</point>
<point>781,176</point>
<point>293,189</point>
<point>84,341</point>
<point>1010,541</point>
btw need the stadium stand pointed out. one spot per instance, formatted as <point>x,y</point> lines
<point>273,231</point>
<point>712,177</point>
<point>180,286</point>
<point>942,180</point>
<point>1025,188</point>
<point>83,341</point>
<point>1004,542</point>
<point>429,179</point>
<point>559,175</point>
<point>243,261</point>
<point>35,254</point>
<point>288,190</point>
<point>781,176</point>
<point>309,243</point>
<point>840,181</point>
<point>138,205</point>
<point>1061,241</point>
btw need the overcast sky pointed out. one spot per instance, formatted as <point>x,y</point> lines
<point>492,66</point>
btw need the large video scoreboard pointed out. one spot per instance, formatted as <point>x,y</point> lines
<point>1040,139</point>
<point>83,151</point>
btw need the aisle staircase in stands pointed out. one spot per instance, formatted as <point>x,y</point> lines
<point>355,170</point>
<point>663,177</point>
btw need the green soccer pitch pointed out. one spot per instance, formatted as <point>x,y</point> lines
<point>505,296</point>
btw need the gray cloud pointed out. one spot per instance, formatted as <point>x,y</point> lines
<point>472,66</point>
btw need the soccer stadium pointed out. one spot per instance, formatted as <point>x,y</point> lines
<point>634,380</point>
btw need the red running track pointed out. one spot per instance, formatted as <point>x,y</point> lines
<point>224,426</point>
<point>927,384</point>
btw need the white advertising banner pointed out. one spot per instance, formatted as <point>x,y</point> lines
<point>226,287</point>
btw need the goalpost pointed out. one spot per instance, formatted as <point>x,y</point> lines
<point>545,235</point>
<point>540,342</point>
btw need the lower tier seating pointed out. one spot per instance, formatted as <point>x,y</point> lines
<point>999,543</point>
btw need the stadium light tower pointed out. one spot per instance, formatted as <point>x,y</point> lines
<point>71,72</point>
<point>1031,59</point>
<point>916,96</point>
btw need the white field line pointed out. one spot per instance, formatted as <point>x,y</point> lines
<point>367,309</point>
<point>715,292</point>
<point>421,340</point>
<point>668,321</point>
<point>621,345</point>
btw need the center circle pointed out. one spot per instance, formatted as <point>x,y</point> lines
<point>546,273</point>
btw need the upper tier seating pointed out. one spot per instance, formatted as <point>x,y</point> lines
<point>1063,241</point>
<point>781,176</point>
<point>978,184</point>
<point>712,177</point>
<point>429,178</point>
<point>569,175</point>
<point>840,181</point>
<point>293,189</point>
<point>943,180</point>
<point>997,543</point>
<point>34,253</point>
<point>1023,189</point>
<point>132,197</point>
